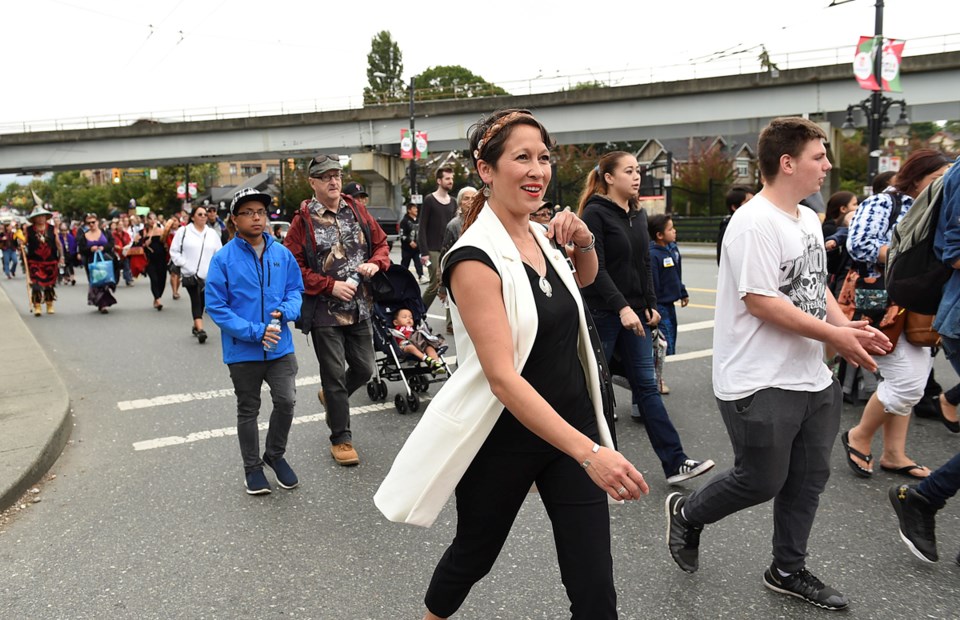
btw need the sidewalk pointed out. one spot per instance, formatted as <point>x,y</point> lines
<point>34,408</point>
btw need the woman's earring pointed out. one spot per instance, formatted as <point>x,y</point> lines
<point>486,191</point>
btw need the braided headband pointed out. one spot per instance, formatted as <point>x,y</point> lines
<point>495,129</point>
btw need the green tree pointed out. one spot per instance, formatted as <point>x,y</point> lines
<point>384,67</point>
<point>453,82</point>
<point>703,179</point>
<point>952,127</point>
<point>923,131</point>
<point>853,163</point>
<point>588,85</point>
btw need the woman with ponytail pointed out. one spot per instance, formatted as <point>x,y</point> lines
<point>524,406</point>
<point>624,303</point>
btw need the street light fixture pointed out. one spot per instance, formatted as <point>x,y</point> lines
<point>876,106</point>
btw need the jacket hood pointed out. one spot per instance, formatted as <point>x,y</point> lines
<point>602,201</point>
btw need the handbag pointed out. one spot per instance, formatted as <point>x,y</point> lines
<point>134,250</point>
<point>919,330</point>
<point>870,297</point>
<point>194,280</point>
<point>101,270</point>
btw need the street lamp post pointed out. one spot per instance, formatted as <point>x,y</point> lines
<point>876,106</point>
<point>414,190</point>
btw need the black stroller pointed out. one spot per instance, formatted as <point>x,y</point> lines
<point>392,363</point>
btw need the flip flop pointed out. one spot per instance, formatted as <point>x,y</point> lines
<point>904,471</point>
<point>854,466</point>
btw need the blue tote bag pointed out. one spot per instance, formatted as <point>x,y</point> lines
<point>101,271</point>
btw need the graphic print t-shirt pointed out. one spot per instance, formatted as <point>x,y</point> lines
<point>768,252</point>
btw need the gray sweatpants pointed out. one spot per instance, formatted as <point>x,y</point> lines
<point>781,444</point>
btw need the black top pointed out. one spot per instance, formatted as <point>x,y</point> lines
<point>623,252</point>
<point>433,219</point>
<point>552,369</point>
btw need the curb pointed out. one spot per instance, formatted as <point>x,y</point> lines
<point>35,421</point>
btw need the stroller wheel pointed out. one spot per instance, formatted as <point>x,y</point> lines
<point>381,389</point>
<point>373,390</point>
<point>413,402</point>
<point>400,403</point>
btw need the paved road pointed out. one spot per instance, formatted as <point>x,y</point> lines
<point>147,517</point>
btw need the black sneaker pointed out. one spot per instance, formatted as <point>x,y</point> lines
<point>201,336</point>
<point>683,537</point>
<point>802,584</point>
<point>285,476</point>
<point>256,483</point>
<point>690,469</point>
<point>917,521</point>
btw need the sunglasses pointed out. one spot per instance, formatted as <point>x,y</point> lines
<point>319,159</point>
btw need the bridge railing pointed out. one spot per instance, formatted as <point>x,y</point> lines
<point>733,62</point>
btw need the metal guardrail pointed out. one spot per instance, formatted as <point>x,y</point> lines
<point>734,63</point>
<point>697,228</point>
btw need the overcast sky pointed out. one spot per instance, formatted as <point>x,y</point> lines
<point>78,58</point>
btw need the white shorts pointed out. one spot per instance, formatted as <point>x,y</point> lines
<point>904,373</point>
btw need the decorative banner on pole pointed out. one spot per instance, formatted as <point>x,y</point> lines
<point>863,64</point>
<point>182,191</point>
<point>421,144</point>
<point>406,144</point>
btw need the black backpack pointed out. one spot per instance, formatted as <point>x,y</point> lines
<point>914,276</point>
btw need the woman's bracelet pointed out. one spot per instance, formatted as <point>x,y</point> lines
<point>589,246</point>
<point>586,463</point>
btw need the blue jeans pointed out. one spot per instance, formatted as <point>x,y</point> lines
<point>943,483</point>
<point>345,354</point>
<point>636,355</point>
<point>127,273</point>
<point>668,325</point>
<point>9,262</point>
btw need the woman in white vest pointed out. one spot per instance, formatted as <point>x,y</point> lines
<point>524,406</point>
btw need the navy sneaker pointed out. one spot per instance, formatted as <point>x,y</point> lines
<point>256,483</point>
<point>803,585</point>
<point>285,476</point>
<point>683,537</point>
<point>690,469</point>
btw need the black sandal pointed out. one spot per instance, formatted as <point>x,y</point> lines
<point>854,466</point>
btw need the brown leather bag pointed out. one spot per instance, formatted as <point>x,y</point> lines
<point>919,331</point>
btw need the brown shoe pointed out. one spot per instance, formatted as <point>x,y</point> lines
<point>50,309</point>
<point>323,399</point>
<point>36,309</point>
<point>344,454</point>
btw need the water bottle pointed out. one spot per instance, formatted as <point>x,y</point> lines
<point>354,278</point>
<point>272,346</point>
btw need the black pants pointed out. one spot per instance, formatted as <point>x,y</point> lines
<point>408,254</point>
<point>196,300</point>
<point>488,498</point>
<point>157,272</point>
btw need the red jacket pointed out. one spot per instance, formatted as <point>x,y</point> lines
<point>301,231</point>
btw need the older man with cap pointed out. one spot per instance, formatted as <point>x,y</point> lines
<point>338,246</point>
<point>253,290</point>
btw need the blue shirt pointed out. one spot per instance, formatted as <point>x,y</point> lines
<point>870,229</point>
<point>946,244</point>
<point>667,274</point>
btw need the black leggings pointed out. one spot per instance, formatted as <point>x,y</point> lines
<point>488,498</point>
<point>196,300</point>
<point>157,272</point>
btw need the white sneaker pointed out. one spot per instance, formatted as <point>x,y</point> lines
<point>424,279</point>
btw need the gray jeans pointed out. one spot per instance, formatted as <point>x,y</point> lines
<point>248,377</point>
<point>781,444</point>
<point>345,355</point>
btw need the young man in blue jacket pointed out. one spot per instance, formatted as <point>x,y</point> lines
<point>251,281</point>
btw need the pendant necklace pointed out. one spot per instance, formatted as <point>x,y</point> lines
<point>544,284</point>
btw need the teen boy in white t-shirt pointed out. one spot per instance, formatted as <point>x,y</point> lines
<point>780,404</point>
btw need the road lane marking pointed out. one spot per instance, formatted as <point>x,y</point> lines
<point>231,431</point>
<point>701,306</point>
<point>702,290</point>
<point>692,355</point>
<point>692,327</point>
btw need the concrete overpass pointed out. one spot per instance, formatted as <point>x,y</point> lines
<point>722,105</point>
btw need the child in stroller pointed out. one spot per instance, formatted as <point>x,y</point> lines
<point>418,368</point>
<point>417,342</point>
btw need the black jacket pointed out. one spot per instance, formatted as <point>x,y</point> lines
<point>623,251</point>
